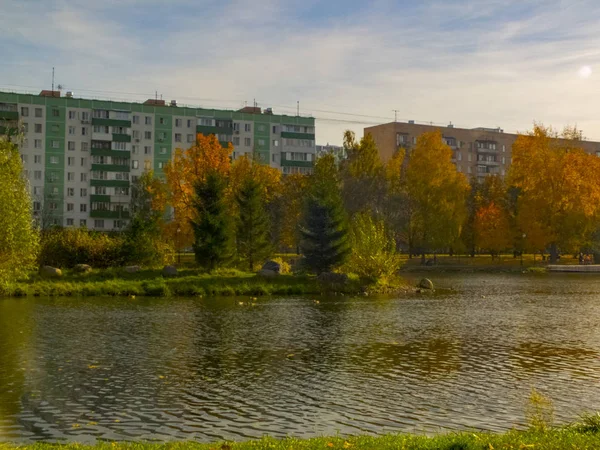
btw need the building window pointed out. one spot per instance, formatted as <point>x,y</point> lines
<point>178,122</point>
<point>135,119</point>
<point>275,143</point>
<point>37,143</point>
<point>82,223</point>
<point>54,160</point>
<point>147,134</point>
<point>147,165</point>
<point>85,116</point>
<point>70,161</point>
<point>83,162</point>
<point>38,112</point>
<point>248,127</point>
<point>70,206</point>
<point>83,192</point>
<point>261,142</point>
<point>99,223</point>
<point>163,150</point>
<point>247,142</point>
<point>37,127</point>
<point>70,192</point>
<point>177,137</point>
<point>37,175</point>
<point>55,128</point>
<point>160,164</point>
<point>236,140</point>
<point>161,120</point>
<point>70,222</point>
<point>71,176</point>
<point>84,177</point>
<point>55,112</point>
<point>261,128</point>
<point>189,123</point>
<point>190,138</point>
<point>71,146</point>
<point>85,146</point>
<point>135,134</point>
<point>135,149</point>
<point>37,159</point>
<point>83,207</point>
<point>72,114</point>
<point>25,111</point>
<point>147,150</point>
<point>274,129</point>
<point>55,144</point>
<point>148,120</point>
<point>37,190</point>
<point>84,131</point>
<point>135,164</point>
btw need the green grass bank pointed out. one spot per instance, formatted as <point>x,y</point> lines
<point>555,439</point>
<point>189,282</point>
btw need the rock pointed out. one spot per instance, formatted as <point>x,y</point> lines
<point>132,269</point>
<point>272,266</point>
<point>426,283</point>
<point>82,268</point>
<point>50,272</point>
<point>333,278</point>
<point>268,273</point>
<point>169,271</point>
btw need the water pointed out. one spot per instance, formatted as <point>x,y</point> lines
<point>205,369</point>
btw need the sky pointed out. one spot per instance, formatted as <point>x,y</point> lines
<point>349,63</point>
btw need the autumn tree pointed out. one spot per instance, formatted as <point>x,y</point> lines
<point>324,242</point>
<point>253,224</point>
<point>290,206</point>
<point>19,239</point>
<point>437,194</point>
<point>559,189</point>
<point>492,229</point>
<point>212,224</point>
<point>396,212</point>
<point>187,168</point>
<point>362,175</point>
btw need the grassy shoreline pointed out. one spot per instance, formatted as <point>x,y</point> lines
<point>554,439</point>
<point>188,282</point>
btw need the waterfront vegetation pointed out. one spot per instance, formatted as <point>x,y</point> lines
<point>579,436</point>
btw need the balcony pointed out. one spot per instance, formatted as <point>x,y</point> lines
<point>9,115</point>
<point>121,137</point>
<point>488,163</point>
<point>290,135</point>
<point>110,152</point>
<point>101,136</point>
<point>112,122</point>
<point>208,130</point>
<point>110,183</point>
<point>111,167</point>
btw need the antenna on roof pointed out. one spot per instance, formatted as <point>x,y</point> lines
<point>395,115</point>
<point>53,81</point>
<point>298,108</point>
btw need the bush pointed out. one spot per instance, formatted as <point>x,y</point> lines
<point>155,288</point>
<point>284,268</point>
<point>373,254</point>
<point>67,247</point>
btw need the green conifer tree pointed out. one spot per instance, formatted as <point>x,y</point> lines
<point>253,226</point>
<point>212,224</point>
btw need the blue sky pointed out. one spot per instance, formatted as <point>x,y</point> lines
<point>490,63</point>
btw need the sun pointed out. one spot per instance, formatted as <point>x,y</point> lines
<point>585,72</point>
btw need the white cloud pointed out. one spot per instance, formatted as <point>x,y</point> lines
<point>465,62</point>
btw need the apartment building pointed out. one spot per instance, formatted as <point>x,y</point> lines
<point>338,152</point>
<point>477,152</point>
<point>81,155</point>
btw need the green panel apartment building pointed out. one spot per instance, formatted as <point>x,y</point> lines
<point>81,156</point>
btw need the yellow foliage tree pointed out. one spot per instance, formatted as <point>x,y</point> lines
<point>182,173</point>
<point>294,190</point>
<point>268,178</point>
<point>437,193</point>
<point>559,184</point>
<point>492,229</point>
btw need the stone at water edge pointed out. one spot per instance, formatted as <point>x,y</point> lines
<point>169,271</point>
<point>82,268</point>
<point>426,283</point>
<point>132,269</point>
<point>50,272</point>
<point>272,266</point>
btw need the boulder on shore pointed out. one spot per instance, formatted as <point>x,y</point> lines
<point>132,269</point>
<point>50,272</point>
<point>333,278</point>
<point>268,273</point>
<point>272,266</point>
<point>426,283</point>
<point>169,271</point>
<point>82,268</point>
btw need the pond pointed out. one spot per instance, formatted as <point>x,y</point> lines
<point>206,369</point>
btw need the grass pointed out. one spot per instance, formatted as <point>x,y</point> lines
<point>188,282</point>
<point>554,439</point>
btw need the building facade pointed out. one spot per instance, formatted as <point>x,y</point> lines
<point>477,152</point>
<point>81,156</point>
<point>338,152</point>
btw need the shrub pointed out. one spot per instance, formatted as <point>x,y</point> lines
<point>285,268</point>
<point>539,411</point>
<point>373,252</point>
<point>155,288</point>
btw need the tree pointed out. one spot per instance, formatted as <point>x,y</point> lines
<point>437,193</point>
<point>291,205</point>
<point>187,168</point>
<point>324,240</point>
<point>19,239</point>
<point>492,229</point>
<point>559,189</point>
<point>253,227</point>
<point>212,224</point>
<point>144,243</point>
<point>373,251</point>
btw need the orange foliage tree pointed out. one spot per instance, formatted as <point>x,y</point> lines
<point>492,229</point>
<point>559,184</point>
<point>183,172</point>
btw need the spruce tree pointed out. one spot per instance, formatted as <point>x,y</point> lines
<point>212,224</point>
<point>253,226</point>
<point>324,233</point>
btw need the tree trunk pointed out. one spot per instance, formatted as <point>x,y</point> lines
<point>423,258</point>
<point>553,254</point>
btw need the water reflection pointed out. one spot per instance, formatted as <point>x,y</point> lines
<point>212,369</point>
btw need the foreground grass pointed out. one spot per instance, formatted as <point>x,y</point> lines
<point>559,439</point>
<point>188,282</point>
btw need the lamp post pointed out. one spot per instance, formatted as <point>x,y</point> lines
<point>523,248</point>
<point>178,248</point>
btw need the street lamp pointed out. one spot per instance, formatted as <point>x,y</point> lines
<point>523,248</point>
<point>178,248</point>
